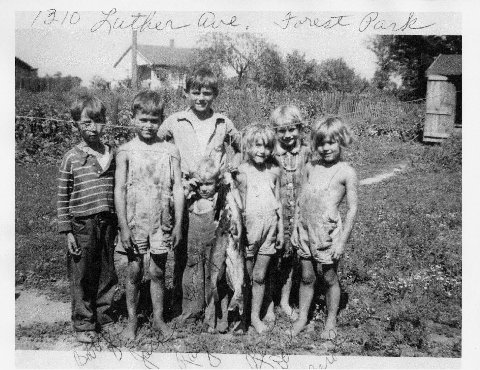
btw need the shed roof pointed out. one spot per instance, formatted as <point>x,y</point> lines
<point>20,63</point>
<point>446,65</point>
<point>163,55</point>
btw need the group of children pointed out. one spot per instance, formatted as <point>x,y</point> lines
<point>164,191</point>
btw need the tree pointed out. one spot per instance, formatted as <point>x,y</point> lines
<point>98,82</point>
<point>239,51</point>
<point>336,75</point>
<point>300,73</point>
<point>408,57</point>
<point>269,70</point>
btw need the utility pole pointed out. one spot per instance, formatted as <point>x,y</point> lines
<point>134,61</point>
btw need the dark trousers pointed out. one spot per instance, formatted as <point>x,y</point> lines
<point>92,274</point>
<point>201,238</point>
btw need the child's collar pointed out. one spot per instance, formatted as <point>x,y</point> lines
<point>295,150</point>
<point>84,151</point>
<point>189,116</point>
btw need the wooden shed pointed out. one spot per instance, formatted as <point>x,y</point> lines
<point>444,97</point>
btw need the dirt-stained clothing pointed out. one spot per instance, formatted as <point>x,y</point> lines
<point>292,164</point>
<point>149,195</point>
<point>319,224</point>
<point>261,212</point>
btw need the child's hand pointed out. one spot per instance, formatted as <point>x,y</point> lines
<point>294,237</point>
<point>279,242</point>
<point>72,245</point>
<point>234,231</point>
<point>338,249</point>
<point>127,240</point>
<point>176,236</point>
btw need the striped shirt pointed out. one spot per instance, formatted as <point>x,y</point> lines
<point>84,188</point>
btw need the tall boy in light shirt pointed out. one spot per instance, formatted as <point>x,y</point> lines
<point>199,132</point>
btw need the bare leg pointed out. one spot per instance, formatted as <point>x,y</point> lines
<point>286,288</point>
<point>157,289</point>
<point>306,296</point>
<point>132,292</point>
<point>333,301</point>
<point>258,291</point>
<point>270,283</point>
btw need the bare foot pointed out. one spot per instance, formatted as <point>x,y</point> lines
<point>297,327</point>
<point>289,311</point>
<point>160,326</point>
<point>130,331</point>
<point>259,326</point>
<point>329,332</point>
<point>269,316</point>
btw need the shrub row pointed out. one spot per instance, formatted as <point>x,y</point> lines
<point>43,139</point>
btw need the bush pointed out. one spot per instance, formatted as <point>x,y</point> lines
<point>46,140</point>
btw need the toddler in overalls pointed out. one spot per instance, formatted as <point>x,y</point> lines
<point>205,288</point>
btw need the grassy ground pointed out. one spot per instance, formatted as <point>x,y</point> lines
<point>401,275</point>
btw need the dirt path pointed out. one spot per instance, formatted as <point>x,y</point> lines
<point>383,176</point>
<point>33,307</point>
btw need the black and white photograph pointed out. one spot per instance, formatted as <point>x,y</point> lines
<point>207,186</point>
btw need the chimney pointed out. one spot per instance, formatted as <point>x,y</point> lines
<point>172,43</point>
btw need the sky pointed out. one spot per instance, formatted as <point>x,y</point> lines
<point>86,44</point>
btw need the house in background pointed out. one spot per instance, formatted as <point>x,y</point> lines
<point>444,97</point>
<point>24,74</point>
<point>24,70</point>
<point>157,66</point>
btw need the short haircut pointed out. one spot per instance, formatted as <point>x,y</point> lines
<point>93,107</point>
<point>202,77</point>
<point>258,131</point>
<point>285,116</point>
<point>331,127</point>
<point>207,169</point>
<point>148,102</point>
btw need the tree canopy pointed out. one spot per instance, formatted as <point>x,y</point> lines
<point>408,57</point>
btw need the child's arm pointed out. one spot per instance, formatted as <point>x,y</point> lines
<point>234,139</point>
<point>165,130</point>
<point>304,178</point>
<point>178,200</point>
<point>242,185</point>
<point>65,184</point>
<point>351,186</point>
<point>280,236</point>
<point>120,199</point>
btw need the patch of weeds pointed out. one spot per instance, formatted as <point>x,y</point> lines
<point>43,331</point>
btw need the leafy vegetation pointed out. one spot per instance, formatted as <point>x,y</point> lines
<point>401,275</point>
<point>408,57</point>
<point>44,140</point>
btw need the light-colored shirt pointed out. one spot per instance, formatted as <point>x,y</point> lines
<point>183,128</point>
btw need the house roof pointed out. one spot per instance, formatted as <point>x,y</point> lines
<point>20,63</point>
<point>163,55</point>
<point>446,65</point>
